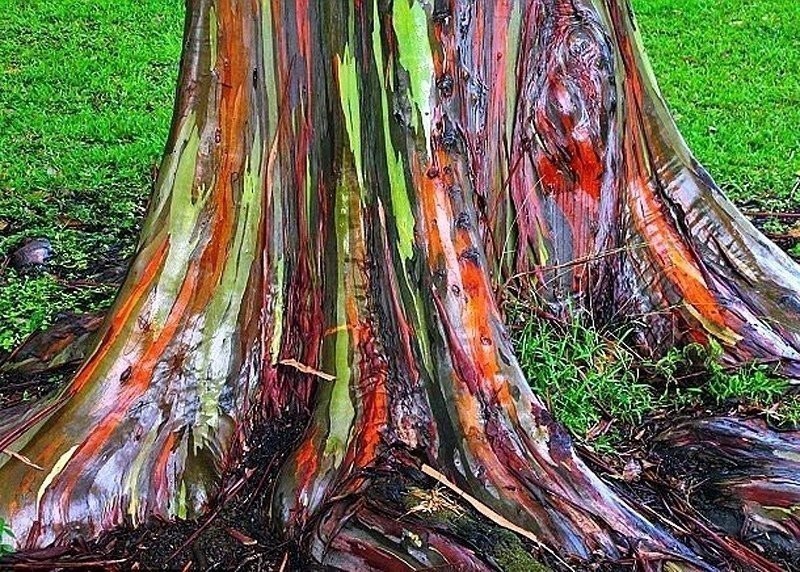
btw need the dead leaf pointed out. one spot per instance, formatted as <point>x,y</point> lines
<point>68,222</point>
<point>242,537</point>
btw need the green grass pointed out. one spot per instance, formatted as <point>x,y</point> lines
<point>730,72</point>
<point>85,103</point>
<point>5,534</point>
<point>599,387</point>
<point>749,384</point>
<point>581,376</point>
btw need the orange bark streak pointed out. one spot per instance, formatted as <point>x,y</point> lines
<point>134,387</point>
<point>160,477</point>
<point>674,258</point>
<point>121,317</point>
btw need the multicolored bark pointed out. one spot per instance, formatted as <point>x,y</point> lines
<point>344,186</point>
<point>592,193</point>
<point>154,414</point>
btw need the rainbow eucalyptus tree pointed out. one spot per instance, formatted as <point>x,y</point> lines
<point>345,186</point>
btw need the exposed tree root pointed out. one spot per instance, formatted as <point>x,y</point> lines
<point>65,343</point>
<point>747,479</point>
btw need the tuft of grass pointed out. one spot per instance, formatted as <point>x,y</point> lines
<point>5,532</point>
<point>598,386</point>
<point>786,412</point>
<point>583,376</point>
<point>753,384</point>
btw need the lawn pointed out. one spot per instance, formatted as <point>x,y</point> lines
<point>730,72</point>
<point>87,96</point>
<point>85,105</point>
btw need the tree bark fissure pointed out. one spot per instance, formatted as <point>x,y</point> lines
<point>345,185</point>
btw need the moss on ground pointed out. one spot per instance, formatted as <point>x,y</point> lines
<point>436,507</point>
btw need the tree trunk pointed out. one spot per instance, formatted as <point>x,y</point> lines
<point>346,186</point>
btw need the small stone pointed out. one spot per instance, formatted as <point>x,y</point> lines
<point>34,252</point>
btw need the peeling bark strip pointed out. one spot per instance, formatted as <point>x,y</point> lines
<point>341,182</point>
